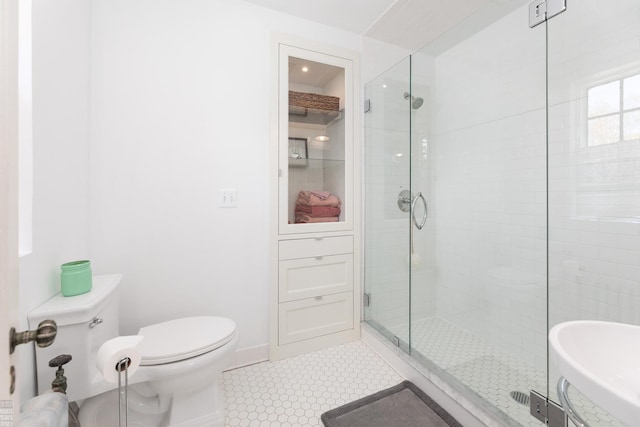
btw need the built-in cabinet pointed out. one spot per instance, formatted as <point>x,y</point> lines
<point>315,283</point>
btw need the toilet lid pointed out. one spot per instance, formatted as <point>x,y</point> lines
<point>181,339</point>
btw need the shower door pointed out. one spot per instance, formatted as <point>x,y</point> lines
<point>387,204</point>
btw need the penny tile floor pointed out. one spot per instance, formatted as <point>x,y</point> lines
<point>295,392</point>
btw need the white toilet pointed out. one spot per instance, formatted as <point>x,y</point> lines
<point>177,382</point>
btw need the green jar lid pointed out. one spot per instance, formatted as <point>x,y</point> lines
<point>75,265</point>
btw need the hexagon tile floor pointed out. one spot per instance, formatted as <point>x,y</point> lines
<point>295,392</point>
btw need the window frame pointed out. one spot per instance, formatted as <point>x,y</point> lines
<point>619,113</point>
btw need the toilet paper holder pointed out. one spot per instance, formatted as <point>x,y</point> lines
<point>123,367</point>
<point>118,358</point>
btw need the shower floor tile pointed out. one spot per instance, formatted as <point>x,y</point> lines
<point>484,369</point>
<point>295,392</point>
<point>489,372</point>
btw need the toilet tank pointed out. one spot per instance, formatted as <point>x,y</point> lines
<point>84,322</point>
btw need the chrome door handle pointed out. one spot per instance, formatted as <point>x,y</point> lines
<point>413,211</point>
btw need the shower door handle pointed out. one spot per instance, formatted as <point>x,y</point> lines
<point>413,211</point>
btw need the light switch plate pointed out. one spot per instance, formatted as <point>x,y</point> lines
<point>228,198</point>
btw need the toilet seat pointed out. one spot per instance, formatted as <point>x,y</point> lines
<point>184,338</point>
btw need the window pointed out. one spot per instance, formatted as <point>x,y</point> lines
<point>607,166</point>
<point>613,112</point>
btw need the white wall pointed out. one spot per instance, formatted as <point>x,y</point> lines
<point>379,57</point>
<point>180,109</point>
<point>60,157</point>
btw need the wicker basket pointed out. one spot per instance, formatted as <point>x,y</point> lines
<point>314,101</point>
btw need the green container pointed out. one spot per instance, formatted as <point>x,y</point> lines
<point>75,278</point>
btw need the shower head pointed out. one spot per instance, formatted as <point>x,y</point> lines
<point>415,102</point>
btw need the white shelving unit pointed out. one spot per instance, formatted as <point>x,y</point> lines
<point>315,280</point>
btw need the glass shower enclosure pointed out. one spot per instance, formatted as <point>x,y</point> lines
<point>502,196</point>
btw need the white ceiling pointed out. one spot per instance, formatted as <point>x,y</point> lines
<point>406,23</point>
<point>354,16</point>
<point>421,20</point>
<point>317,74</point>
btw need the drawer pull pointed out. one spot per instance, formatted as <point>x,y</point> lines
<point>319,258</point>
<point>319,298</point>
<point>314,246</point>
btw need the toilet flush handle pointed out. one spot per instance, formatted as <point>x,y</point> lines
<point>95,322</point>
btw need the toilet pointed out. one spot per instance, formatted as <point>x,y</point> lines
<point>176,383</point>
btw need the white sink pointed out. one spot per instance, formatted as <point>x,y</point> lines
<point>602,361</point>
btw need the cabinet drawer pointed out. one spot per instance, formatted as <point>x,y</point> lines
<point>311,277</point>
<point>313,317</point>
<point>306,248</point>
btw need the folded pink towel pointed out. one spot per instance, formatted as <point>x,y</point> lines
<point>317,211</point>
<point>310,219</point>
<point>322,195</point>
<point>308,198</point>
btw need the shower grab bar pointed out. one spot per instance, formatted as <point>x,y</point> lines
<point>413,211</point>
<point>563,394</point>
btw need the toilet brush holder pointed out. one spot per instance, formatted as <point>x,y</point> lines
<point>75,278</point>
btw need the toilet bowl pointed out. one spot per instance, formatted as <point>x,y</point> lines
<point>176,383</point>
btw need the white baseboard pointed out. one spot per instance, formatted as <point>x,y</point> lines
<point>249,356</point>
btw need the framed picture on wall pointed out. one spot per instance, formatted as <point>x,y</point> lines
<point>298,148</point>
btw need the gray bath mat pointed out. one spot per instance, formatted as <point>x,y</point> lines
<point>404,405</point>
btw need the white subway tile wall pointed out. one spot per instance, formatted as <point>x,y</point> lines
<point>489,157</point>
